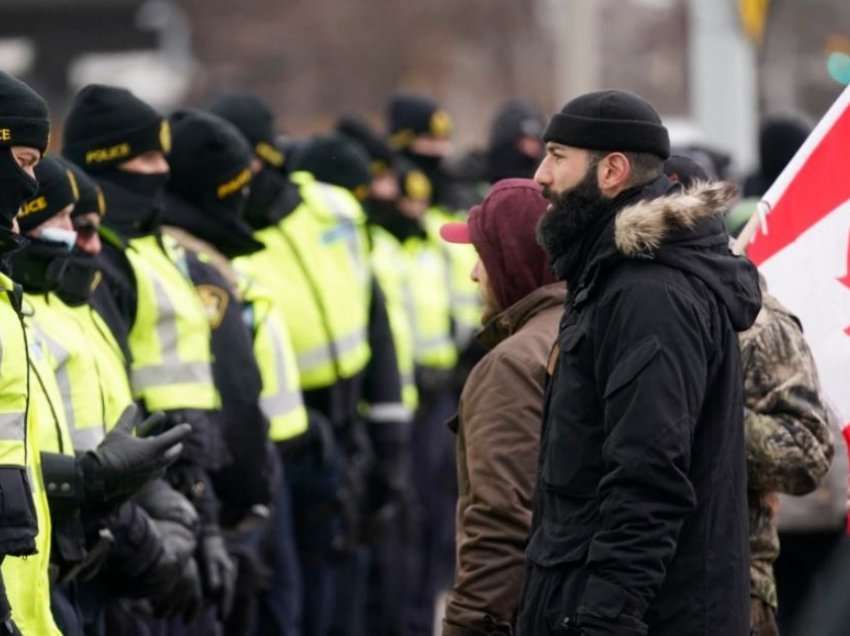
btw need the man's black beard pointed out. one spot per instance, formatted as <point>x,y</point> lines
<point>570,214</point>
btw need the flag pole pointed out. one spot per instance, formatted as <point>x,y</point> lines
<point>777,189</point>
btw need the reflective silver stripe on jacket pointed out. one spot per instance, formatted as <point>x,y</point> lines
<point>389,412</point>
<point>156,375</point>
<point>12,427</point>
<point>318,356</point>
<point>284,401</point>
<point>172,370</point>
<point>88,438</point>
<point>83,437</point>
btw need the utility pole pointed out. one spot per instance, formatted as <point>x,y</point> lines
<point>723,88</point>
<point>573,31</point>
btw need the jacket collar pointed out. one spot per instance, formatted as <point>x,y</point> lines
<point>512,319</point>
<point>660,215</point>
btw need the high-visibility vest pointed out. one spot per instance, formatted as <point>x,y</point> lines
<point>316,265</point>
<point>280,400</point>
<point>427,299</point>
<point>26,578</point>
<point>465,298</point>
<point>392,269</point>
<point>88,366</point>
<point>170,337</point>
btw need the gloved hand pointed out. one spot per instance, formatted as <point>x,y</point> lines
<point>8,628</point>
<point>218,570</point>
<point>123,463</point>
<point>162,502</point>
<point>7,625</point>
<point>184,598</point>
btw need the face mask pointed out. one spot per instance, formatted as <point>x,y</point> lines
<point>59,235</point>
<point>265,190</point>
<point>16,186</point>
<point>39,266</point>
<point>79,279</point>
<point>148,186</point>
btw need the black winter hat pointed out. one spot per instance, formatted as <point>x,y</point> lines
<point>412,116</point>
<point>357,129</point>
<point>91,197</point>
<point>684,170</point>
<point>780,138</point>
<point>108,125</point>
<point>610,120</point>
<point>336,159</point>
<point>57,189</point>
<point>517,118</point>
<point>210,161</point>
<point>23,115</point>
<point>255,121</point>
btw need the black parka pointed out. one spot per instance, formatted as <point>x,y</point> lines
<point>640,520</point>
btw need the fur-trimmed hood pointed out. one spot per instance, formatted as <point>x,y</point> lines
<point>684,229</point>
<point>641,228</point>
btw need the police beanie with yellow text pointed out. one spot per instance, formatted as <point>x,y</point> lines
<point>108,126</point>
<point>57,189</point>
<point>23,115</point>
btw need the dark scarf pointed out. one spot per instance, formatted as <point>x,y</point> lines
<point>387,215</point>
<point>134,201</point>
<point>219,225</point>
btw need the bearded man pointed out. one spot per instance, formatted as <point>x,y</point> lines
<point>640,514</point>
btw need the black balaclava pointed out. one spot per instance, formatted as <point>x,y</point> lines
<point>272,195</point>
<point>505,159</point>
<point>106,127</point>
<point>412,116</point>
<point>39,266</point>
<point>338,160</point>
<point>413,184</point>
<point>210,177</point>
<point>81,274</point>
<point>23,122</point>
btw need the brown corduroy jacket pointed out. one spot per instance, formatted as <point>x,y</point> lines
<point>498,434</point>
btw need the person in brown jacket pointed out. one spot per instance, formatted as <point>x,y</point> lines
<point>498,424</point>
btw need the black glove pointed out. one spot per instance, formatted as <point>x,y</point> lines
<point>7,625</point>
<point>218,570</point>
<point>162,502</point>
<point>182,599</point>
<point>123,463</point>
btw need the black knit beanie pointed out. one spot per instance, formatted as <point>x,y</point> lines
<point>57,189</point>
<point>255,121</point>
<point>91,197</point>
<point>381,156</point>
<point>412,116</point>
<point>210,161</point>
<point>23,115</point>
<point>338,160</point>
<point>108,125</point>
<point>611,120</point>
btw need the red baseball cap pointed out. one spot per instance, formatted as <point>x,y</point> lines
<point>455,233</point>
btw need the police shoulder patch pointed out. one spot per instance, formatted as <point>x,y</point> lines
<point>215,300</point>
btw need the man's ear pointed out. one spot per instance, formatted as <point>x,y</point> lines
<point>614,172</point>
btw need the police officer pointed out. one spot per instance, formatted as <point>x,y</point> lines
<point>255,365</point>
<point>70,385</point>
<point>339,160</point>
<point>24,603</point>
<point>121,141</point>
<point>316,260</point>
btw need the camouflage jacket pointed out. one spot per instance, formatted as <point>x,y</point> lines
<point>789,442</point>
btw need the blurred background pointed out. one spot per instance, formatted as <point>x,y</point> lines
<point>713,68</point>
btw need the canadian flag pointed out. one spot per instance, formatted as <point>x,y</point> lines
<point>801,244</point>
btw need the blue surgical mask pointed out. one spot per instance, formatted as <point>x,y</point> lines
<point>59,235</point>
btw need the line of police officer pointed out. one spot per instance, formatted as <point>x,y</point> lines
<point>285,328</point>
